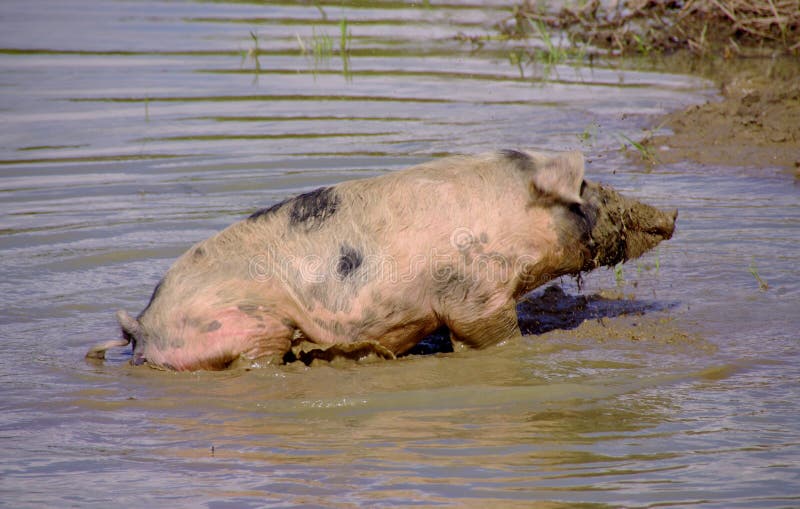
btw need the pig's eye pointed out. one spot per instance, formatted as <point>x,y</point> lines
<point>577,209</point>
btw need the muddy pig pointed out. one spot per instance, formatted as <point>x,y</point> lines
<point>387,260</point>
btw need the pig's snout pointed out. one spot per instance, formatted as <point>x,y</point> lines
<point>651,221</point>
<point>646,227</point>
<point>665,227</point>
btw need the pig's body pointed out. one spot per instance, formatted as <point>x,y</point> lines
<point>388,260</point>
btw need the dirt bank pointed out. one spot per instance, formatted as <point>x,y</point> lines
<point>750,48</point>
<point>757,123</point>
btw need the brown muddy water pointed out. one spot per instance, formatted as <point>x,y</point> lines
<point>130,130</point>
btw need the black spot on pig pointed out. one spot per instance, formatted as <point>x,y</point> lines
<point>520,159</point>
<point>258,214</point>
<point>333,326</point>
<point>248,309</point>
<point>198,254</point>
<point>350,259</point>
<point>311,210</point>
<point>451,284</point>
<point>211,327</point>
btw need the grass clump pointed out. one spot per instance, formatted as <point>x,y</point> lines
<point>548,54</point>
<point>345,39</point>
<point>321,48</point>
<point>253,52</point>
<point>646,152</point>
<point>589,134</point>
<point>618,275</point>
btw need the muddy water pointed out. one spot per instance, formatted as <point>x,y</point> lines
<point>131,130</point>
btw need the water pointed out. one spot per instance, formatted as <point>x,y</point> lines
<point>130,130</point>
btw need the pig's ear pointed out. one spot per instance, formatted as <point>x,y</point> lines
<point>560,177</point>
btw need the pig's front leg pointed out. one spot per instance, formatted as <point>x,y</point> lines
<point>482,328</point>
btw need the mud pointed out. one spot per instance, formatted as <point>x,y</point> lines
<point>755,124</point>
<point>668,333</point>
<point>308,353</point>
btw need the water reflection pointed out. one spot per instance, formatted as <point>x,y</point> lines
<point>455,444</point>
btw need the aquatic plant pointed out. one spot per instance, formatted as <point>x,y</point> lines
<point>589,134</point>
<point>643,46</point>
<point>517,59</point>
<point>345,38</point>
<point>618,276</point>
<point>322,12</point>
<point>252,53</point>
<point>551,55</point>
<point>646,152</point>
<point>548,54</point>
<point>762,285</point>
<point>321,48</point>
<point>658,259</point>
<point>641,267</point>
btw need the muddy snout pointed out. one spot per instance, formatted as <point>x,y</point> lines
<point>646,227</point>
<point>649,220</point>
<point>625,228</point>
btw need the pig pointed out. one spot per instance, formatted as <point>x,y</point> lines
<point>385,261</point>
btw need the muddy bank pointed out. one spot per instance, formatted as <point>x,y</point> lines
<point>755,124</point>
<point>749,48</point>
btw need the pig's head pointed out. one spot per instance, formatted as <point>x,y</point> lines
<point>132,334</point>
<point>621,228</point>
<point>596,225</point>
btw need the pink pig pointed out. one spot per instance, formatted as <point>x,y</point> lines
<point>386,261</point>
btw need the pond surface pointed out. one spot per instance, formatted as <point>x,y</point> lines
<point>131,130</point>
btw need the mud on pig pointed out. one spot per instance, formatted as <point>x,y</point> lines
<point>385,261</point>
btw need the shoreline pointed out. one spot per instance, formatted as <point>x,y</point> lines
<point>754,124</point>
<point>751,53</point>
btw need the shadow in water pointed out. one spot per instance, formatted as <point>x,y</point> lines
<point>552,309</point>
